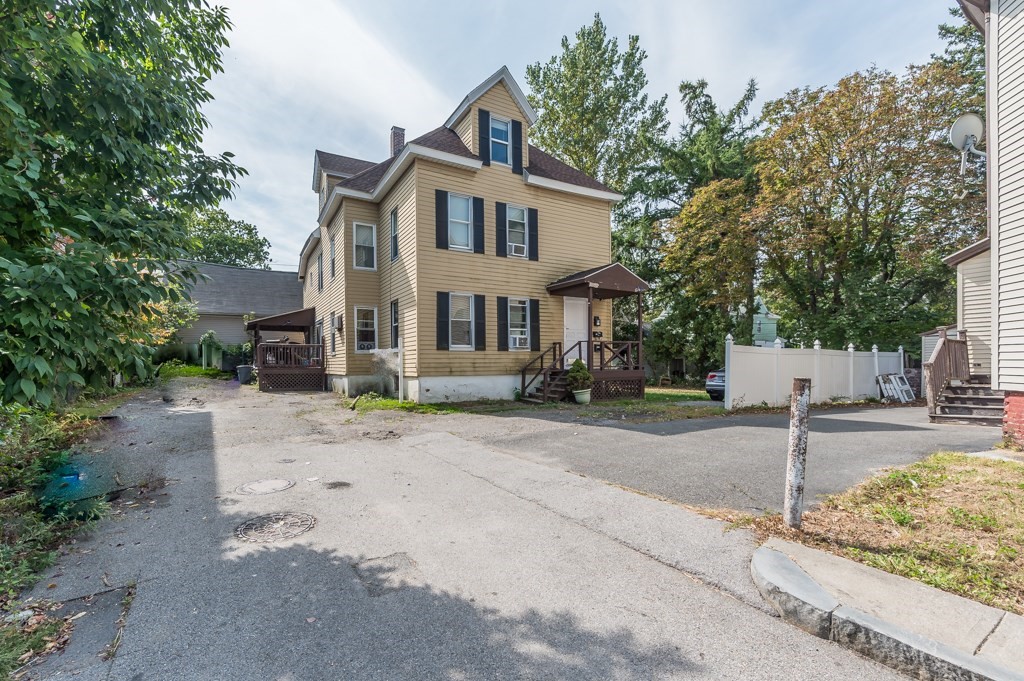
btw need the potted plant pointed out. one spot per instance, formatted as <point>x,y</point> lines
<point>579,380</point>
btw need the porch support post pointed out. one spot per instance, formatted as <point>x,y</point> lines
<point>590,328</point>
<point>640,341</point>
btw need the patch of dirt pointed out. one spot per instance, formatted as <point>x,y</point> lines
<point>337,484</point>
<point>381,435</point>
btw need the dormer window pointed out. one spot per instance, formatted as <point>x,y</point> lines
<point>501,133</point>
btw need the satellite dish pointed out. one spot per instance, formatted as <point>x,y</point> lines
<point>964,128</point>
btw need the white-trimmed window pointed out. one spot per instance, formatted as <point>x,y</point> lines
<point>332,256</point>
<point>460,324</point>
<point>501,133</point>
<point>394,234</point>
<point>515,222</point>
<point>334,334</point>
<point>320,271</point>
<point>518,323</point>
<point>460,222</point>
<point>366,329</point>
<point>364,238</point>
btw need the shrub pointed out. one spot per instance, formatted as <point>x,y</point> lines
<point>579,377</point>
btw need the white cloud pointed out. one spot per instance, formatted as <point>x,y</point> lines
<point>300,76</point>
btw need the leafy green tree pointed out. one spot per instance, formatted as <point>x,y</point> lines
<point>683,242</point>
<point>965,55</point>
<point>100,135</point>
<point>219,239</point>
<point>592,110</point>
<point>859,198</point>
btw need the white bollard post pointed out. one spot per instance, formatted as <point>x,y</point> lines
<point>903,360</point>
<point>849,349</point>
<point>401,370</point>
<point>776,398</point>
<point>796,457</point>
<point>878,388</point>
<point>816,395</point>
<point>728,372</point>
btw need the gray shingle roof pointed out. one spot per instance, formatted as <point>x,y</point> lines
<point>237,290</point>
<point>341,165</point>
<point>543,164</point>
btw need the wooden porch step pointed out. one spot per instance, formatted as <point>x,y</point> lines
<point>976,389</point>
<point>984,410</point>
<point>966,419</point>
<point>969,399</point>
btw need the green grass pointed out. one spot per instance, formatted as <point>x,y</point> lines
<point>17,642</point>
<point>177,370</point>
<point>374,402</point>
<point>33,445</point>
<point>951,521</point>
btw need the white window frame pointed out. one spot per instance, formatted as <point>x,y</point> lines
<point>472,322</point>
<point>525,303</point>
<point>376,331</point>
<point>492,141</point>
<point>393,242</point>
<point>332,257</point>
<point>469,225</point>
<point>526,232</point>
<point>355,245</point>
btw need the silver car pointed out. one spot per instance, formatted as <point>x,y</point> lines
<point>714,384</point>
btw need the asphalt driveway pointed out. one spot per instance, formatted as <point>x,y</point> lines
<point>431,557</point>
<point>727,461</point>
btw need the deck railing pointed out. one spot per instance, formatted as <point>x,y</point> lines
<point>621,355</point>
<point>949,362</point>
<point>289,356</point>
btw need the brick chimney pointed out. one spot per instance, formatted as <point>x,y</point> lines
<point>397,139</point>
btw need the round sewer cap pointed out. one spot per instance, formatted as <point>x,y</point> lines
<point>265,486</point>
<point>275,527</point>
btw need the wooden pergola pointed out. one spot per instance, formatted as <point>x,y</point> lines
<point>288,365</point>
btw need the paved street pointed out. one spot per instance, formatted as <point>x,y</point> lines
<point>432,557</point>
<point>736,461</point>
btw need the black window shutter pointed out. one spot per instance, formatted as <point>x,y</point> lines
<point>480,323</point>
<point>442,320</point>
<point>532,238</point>
<point>485,136</point>
<point>500,231</point>
<point>478,224</point>
<point>517,147</point>
<point>534,324</point>
<point>441,217</point>
<point>502,323</point>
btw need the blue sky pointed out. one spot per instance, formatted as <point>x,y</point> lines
<point>337,74</point>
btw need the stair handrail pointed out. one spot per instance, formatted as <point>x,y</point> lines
<point>622,350</point>
<point>949,362</point>
<point>525,385</point>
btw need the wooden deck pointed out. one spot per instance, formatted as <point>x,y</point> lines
<point>291,366</point>
<point>617,368</point>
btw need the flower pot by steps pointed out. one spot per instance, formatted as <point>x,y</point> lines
<point>582,396</point>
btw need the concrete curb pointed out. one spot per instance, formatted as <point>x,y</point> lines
<point>802,602</point>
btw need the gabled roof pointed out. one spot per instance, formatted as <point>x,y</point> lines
<point>975,11</point>
<point>335,164</point>
<point>501,75</point>
<point>543,164</point>
<point>227,290</point>
<point>607,281</point>
<point>977,248</point>
<point>440,139</point>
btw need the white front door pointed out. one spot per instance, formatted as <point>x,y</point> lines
<point>576,327</point>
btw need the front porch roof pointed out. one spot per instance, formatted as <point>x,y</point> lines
<point>606,281</point>
<point>287,321</point>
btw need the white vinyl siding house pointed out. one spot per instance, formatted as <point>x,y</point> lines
<point>1005,47</point>
<point>974,310</point>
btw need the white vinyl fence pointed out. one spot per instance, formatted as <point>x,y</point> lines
<point>765,375</point>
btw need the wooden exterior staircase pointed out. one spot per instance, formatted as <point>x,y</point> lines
<point>969,402</point>
<point>617,368</point>
<point>953,394</point>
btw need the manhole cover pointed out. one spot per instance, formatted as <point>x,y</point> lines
<point>265,486</point>
<point>275,527</point>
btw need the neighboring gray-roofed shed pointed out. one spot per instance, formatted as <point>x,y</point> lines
<point>223,294</point>
<point>238,291</point>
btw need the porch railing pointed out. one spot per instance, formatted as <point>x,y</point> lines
<point>622,355</point>
<point>289,356</point>
<point>949,362</point>
<point>539,366</point>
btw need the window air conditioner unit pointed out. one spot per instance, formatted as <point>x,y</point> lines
<point>518,342</point>
<point>517,250</point>
<point>337,325</point>
<point>366,346</point>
